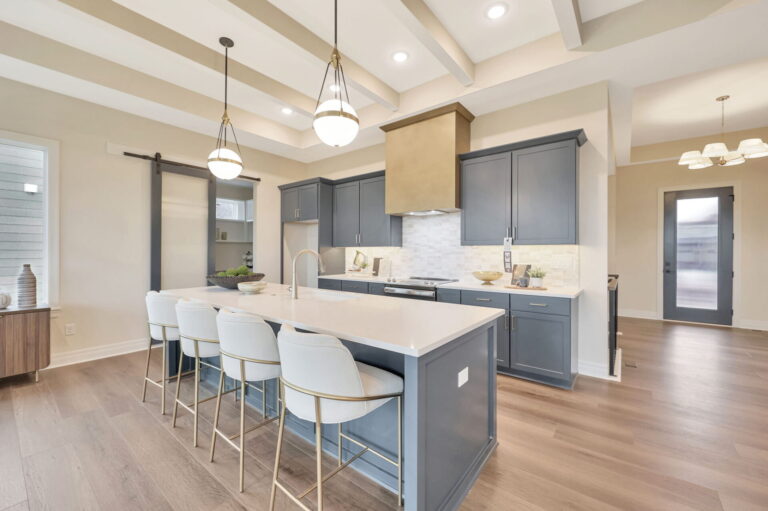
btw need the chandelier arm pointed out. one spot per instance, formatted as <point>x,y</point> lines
<point>219,138</point>
<point>234,135</point>
<point>344,80</point>
<point>322,86</point>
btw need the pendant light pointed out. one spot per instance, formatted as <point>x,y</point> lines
<point>748,148</point>
<point>224,162</point>
<point>335,122</point>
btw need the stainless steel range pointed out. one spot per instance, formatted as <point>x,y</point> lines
<point>419,288</point>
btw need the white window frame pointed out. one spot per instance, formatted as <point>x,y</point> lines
<point>51,202</point>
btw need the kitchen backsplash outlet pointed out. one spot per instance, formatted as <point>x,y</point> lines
<point>432,248</point>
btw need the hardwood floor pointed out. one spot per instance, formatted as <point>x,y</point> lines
<point>686,429</point>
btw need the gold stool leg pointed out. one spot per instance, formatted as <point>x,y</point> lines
<point>146,371</point>
<point>242,425</point>
<point>178,387</point>
<point>399,451</point>
<point>197,395</point>
<point>280,430</point>
<point>216,413</point>
<point>319,453</point>
<point>165,376</point>
<point>338,444</point>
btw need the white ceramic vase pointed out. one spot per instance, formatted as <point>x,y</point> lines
<point>5,300</point>
<point>536,282</point>
<point>26,287</point>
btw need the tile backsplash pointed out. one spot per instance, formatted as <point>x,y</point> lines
<point>432,248</point>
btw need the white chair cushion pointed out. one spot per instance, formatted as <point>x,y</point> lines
<point>247,335</point>
<point>377,382</point>
<point>197,319</point>
<point>161,309</point>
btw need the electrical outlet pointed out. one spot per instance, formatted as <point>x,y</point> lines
<point>463,376</point>
<point>69,329</point>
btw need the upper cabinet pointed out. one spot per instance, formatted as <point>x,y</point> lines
<point>527,191</point>
<point>358,214</point>
<point>300,203</point>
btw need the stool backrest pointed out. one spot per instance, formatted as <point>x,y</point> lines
<point>322,364</point>
<point>248,336</point>
<point>161,310</point>
<point>197,320</point>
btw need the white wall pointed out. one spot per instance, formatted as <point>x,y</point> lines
<point>104,211</point>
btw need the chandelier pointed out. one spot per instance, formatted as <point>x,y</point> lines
<point>748,148</point>
<point>335,122</point>
<point>224,162</point>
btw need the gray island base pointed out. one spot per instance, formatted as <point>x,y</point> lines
<point>448,363</point>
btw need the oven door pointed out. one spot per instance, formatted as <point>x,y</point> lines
<point>407,292</point>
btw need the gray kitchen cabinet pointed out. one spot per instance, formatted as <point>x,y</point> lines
<point>299,203</point>
<point>354,286</point>
<point>540,344</point>
<point>544,194</point>
<point>359,218</point>
<point>289,205</point>
<point>486,199</point>
<point>376,288</point>
<point>346,214</point>
<point>497,301</point>
<point>308,202</point>
<point>527,191</point>
<point>332,284</point>
<point>448,295</point>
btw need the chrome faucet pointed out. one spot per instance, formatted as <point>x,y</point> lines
<point>294,285</point>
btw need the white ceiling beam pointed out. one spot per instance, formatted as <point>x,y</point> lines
<point>138,25</point>
<point>422,22</point>
<point>285,26</point>
<point>569,19</point>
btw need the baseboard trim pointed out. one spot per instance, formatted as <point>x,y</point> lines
<point>594,370</point>
<point>637,313</point>
<point>87,354</point>
<point>750,324</point>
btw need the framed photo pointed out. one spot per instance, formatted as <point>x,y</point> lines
<point>520,275</point>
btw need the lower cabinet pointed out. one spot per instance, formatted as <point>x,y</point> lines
<point>540,344</point>
<point>496,301</point>
<point>354,286</point>
<point>376,288</point>
<point>332,284</point>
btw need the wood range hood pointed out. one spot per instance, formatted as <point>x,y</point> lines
<point>422,166</point>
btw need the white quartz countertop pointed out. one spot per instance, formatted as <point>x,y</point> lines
<point>410,327</point>
<point>473,285</point>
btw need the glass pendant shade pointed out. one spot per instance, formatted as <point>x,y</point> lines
<point>732,158</point>
<point>225,163</point>
<point>715,150</point>
<point>753,148</point>
<point>689,157</point>
<point>336,122</point>
<point>700,163</point>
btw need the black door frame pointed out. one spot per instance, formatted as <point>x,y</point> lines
<point>724,313</point>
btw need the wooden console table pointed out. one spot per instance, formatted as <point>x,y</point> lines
<point>25,340</point>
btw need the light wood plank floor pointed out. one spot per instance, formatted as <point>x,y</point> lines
<point>687,429</point>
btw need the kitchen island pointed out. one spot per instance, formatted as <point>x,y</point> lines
<point>446,355</point>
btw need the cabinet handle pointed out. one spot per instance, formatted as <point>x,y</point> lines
<point>514,232</point>
<point>500,360</point>
<point>507,232</point>
<point>506,321</point>
<point>511,323</point>
<point>538,304</point>
<point>483,299</point>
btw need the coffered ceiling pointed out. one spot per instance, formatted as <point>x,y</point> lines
<point>162,60</point>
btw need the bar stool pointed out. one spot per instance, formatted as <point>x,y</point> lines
<point>249,354</point>
<point>199,338</point>
<point>161,315</point>
<point>322,383</point>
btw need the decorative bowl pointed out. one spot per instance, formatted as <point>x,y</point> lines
<point>251,288</point>
<point>232,282</point>
<point>487,276</point>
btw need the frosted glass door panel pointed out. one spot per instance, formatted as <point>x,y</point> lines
<point>697,245</point>
<point>184,258</point>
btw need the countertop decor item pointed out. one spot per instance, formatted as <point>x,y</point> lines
<point>251,288</point>
<point>230,278</point>
<point>26,287</point>
<point>487,276</point>
<point>520,275</point>
<point>537,277</point>
<point>5,300</point>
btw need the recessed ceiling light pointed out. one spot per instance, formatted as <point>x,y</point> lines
<point>496,11</point>
<point>399,56</point>
<point>334,87</point>
<point>286,110</point>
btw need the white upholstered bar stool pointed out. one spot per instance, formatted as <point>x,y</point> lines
<point>322,383</point>
<point>249,354</point>
<point>163,327</point>
<point>199,338</point>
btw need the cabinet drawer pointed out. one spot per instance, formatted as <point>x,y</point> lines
<point>329,284</point>
<point>449,295</point>
<point>376,288</point>
<point>485,299</point>
<point>544,304</point>
<point>354,286</point>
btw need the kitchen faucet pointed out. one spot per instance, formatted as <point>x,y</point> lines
<point>294,285</point>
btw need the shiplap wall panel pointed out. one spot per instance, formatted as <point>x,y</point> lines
<point>22,215</point>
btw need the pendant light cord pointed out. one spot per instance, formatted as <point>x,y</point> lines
<point>226,75</point>
<point>335,23</point>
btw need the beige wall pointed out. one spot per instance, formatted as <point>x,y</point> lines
<point>104,210</point>
<point>585,108</point>
<point>638,189</point>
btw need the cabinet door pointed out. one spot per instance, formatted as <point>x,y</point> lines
<point>486,199</point>
<point>332,284</point>
<point>21,334</point>
<point>354,286</point>
<point>448,295</point>
<point>544,184</point>
<point>308,202</point>
<point>541,344</point>
<point>497,301</point>
<point>289,205</point>
<point>374,222</point>
<point>346,214</point>
<point>376,288</point>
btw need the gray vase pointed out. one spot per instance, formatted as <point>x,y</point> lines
<point>26,287</point>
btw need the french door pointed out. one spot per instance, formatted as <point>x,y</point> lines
<point>698,255</point>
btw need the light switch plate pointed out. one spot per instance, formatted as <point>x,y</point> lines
<point>463,376</point>
<point>69,329</point>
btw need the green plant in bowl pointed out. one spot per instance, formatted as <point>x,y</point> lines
<point>537,273</point>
